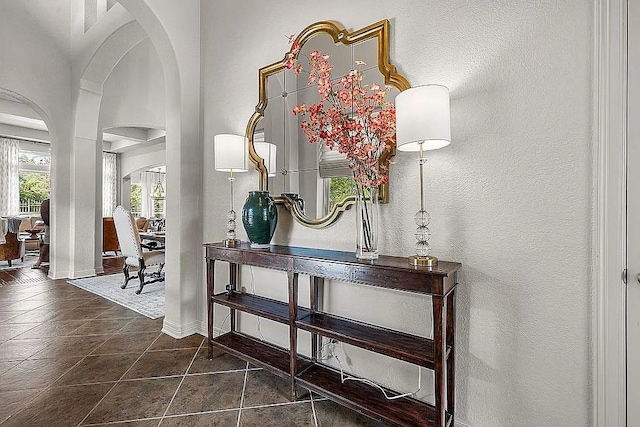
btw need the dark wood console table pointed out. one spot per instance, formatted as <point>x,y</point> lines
<point>387,272</point>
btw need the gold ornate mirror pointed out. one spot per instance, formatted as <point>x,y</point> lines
<point>315,183</point>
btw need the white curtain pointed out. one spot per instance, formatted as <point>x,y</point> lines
<point>109,183</point>
<point>9,177</point>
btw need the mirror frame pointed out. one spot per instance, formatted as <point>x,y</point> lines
<point>379,30</point>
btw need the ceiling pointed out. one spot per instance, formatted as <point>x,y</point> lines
<point>18,120</point>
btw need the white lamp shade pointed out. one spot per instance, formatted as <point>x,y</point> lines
<point>423,118</point>
<point>267,151</point>
<point>231,153</point>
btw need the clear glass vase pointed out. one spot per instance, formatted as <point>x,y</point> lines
<point>367,213</point>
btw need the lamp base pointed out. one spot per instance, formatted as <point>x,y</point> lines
<point>231,243</point>
<point>423,261</point>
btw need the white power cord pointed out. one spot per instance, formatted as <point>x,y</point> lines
<point>319,355</point>
<point>253,291</point>
<point>221,329</point>
<point>344,377</point>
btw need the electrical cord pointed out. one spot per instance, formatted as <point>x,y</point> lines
<point>253,291</point>
<point>345,377</point>
<point>319,355</point>
<point>222,326</point>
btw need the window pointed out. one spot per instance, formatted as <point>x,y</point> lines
<point>339,188</point>
<point>35,180</point>
<point>136,199</point>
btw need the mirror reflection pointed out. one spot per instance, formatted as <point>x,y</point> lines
<point>313,177</point>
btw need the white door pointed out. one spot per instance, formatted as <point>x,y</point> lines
<point>633,218</point>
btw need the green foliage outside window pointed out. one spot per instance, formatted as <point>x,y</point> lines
<point>34,186</point>
<point>340,188</point>
<point>136,198</point>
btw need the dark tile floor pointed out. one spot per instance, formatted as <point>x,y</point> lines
<point>71,358</point>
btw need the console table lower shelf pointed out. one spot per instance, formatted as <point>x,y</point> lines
<point>327,382</point>
<point>402,412</point>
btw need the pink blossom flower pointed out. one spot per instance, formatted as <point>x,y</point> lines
<point>354,119</point>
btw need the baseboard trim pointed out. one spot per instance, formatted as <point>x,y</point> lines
<point>177,331</point>
<point>58,275</point>
<point>203,328</point>
<point>82,273</point>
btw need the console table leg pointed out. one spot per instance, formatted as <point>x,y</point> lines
<point>233,284</point>
<point>293,332</point>
<point>314,283</point>
<point>451,361</point>
<point>210,280</point>
<point>439,350</point>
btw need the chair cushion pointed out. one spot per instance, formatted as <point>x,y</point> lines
<point>150,258</point>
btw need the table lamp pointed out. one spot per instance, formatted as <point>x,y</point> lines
<point>423,123</point>
<point>231,155</point>
<point>267,151</point>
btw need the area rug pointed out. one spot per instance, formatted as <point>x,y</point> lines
<point>29,260</point>
<point>149,303</point>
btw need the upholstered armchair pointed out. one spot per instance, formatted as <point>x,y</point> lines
<point>142,223</point>
<point>12,249</point>
<point>131,249</point>
<point>109,236</point>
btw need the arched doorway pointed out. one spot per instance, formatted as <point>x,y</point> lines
<point>28,123</point>
<point>184,164</point>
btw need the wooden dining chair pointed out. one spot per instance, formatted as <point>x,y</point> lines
<point>132,250</point>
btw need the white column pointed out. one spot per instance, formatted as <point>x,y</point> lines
<point>84,183</point>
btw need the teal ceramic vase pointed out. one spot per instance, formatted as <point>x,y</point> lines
<point>259,217</point>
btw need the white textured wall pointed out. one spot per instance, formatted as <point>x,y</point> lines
<point>133,94</point>
<point>34,47</point>
<point>510,198</point>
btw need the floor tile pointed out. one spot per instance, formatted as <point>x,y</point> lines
<point>221,362</point>
<point>53,328</point>
<point>126,343</point>
<point>144,324</point>
<point>94,369</point>
<point>118,312</point>
<point>208,392</point>
<point>141,423</point>
<point>14,329</point>
<point>162,363</point>
<point>330,414</point>
<point>165,342</point>
<point>23,305</point>
<point>71,346</point>
<point>131,400</point>
<point>12,401</point>
<point>264,388</point>
<point>33,316</point>
<point>101,326</point>
<point>78,314</point>
<point>98,303</point>
<point>64,304</point>
<point>60,406</point>
<point>6,315</point>
<point>21,349</point>
<point>5,366</point>
<point>216,419</point>
<point>293,415</point>
<point>35,374</point>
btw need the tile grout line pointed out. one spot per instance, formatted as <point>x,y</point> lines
<point>244,387</point>
<point>181,381</point>
<point>313,409</point>
<point>119,380</point>
<point>49,386</point>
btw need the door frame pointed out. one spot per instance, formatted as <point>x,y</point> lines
<point>609,213</point>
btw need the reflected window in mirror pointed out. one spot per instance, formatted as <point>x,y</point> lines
<point>313,182</point>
